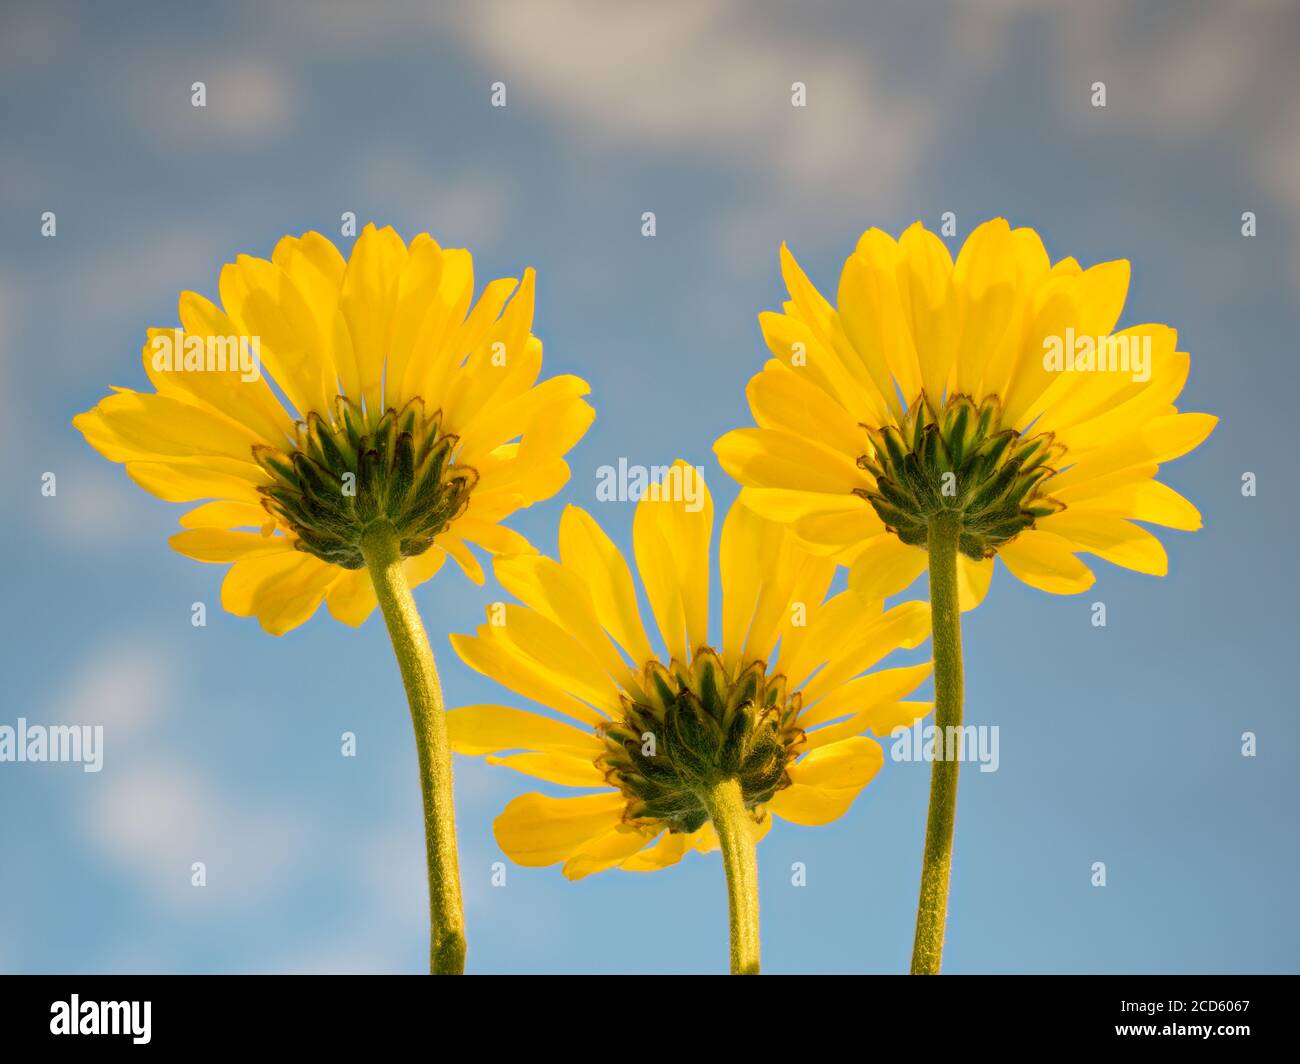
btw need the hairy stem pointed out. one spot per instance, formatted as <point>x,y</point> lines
<point>936,866</point>
<point>424,694</point>
<point>735,832</point>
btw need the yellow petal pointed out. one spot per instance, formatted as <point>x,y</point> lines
<point>973,579</point>
<point>796,346</point>
<point>547,406</point>
<point>782,398</point>
<point>536,830</point>
<point>494,656</point>
<point>589,553</point>
<point>881,719</point>
<point>823,523</point>
<point>510,338</point>
<point>1078,397</point>
<point>671,542</point>
<point>825,327</point>
<point>560,595</point>
<point>244,579</point>
<point>788,611</point>
<point>840,534</point>
<point>283,589</point>
<point>462,555</point>
<point>886,718</point>
<point>829,629</point>
<point>787,506</point>
<point>877,688</point>
<point>264,301</point>
<point>351,598</point>
<point>424,566</point>
<point>1031,268</point>
<point>1147,500</point>
<point>143,425</point>
<point>442,323</point>
<point>223,545</point>
<point>417,291</point>
<point>559,656</point>
<point>515,478</point>
<point>491,729</point>
<point>188,481</point>
<point>751,561</point>
<point>554,768</point>
<point>905,626</point>
<point>227,515</point>
<point>290,602</point>
<point>671,848</point>
<point>556,432</point>
<point>984,287</point>
<point>1160,440</point>
<point>368,301</point>
<point>885,567</point>
<point>874,318</point>
<point>250,402</point>
<point>1089,304</point>
<point>774,458</point>
<point>492,537</point>
<point>825,782</point>
<point>929,304</point>
<point>1046,562</point>
<point>608,850</point>
<point>1111,538</point>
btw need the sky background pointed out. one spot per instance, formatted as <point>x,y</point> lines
<point>1119,744</point>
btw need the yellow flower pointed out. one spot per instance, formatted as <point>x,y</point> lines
<point>993,389</point>
<point>651,733</point>
<point>395,399</point>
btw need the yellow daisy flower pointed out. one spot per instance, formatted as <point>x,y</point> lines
<point>690,748</point>
<point>384,374</point>
<point>944,414</point>
<point>401,420</point>
<point>939,386</point>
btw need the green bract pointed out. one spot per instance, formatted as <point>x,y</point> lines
<point>345,478</point>
<point>695,730</point>
<point>960,460</point>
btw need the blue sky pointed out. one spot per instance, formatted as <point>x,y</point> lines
<point>1119,744</point>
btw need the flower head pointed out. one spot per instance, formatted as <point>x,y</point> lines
<point>393,399</point>
<point>781,707</point>
<point>994,388</point>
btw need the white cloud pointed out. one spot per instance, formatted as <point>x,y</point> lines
<point>123,687</point>
<point>249,99</point>
<point>345,27</point>
<point>1182,74</point>
<point>705,76</point>
<point>1221,75</point>
<point>153,813</point>
<point>156,817</point>
<point>97,507</point>
<point>708,79</point>
<point>715,78</point>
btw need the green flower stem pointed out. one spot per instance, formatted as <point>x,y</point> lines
<point>424,693</point>
<point>945,623</point>
<point>734,825</point>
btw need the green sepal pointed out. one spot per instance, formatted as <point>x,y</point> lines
<point>959,459</point>
<point>341,480</point>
